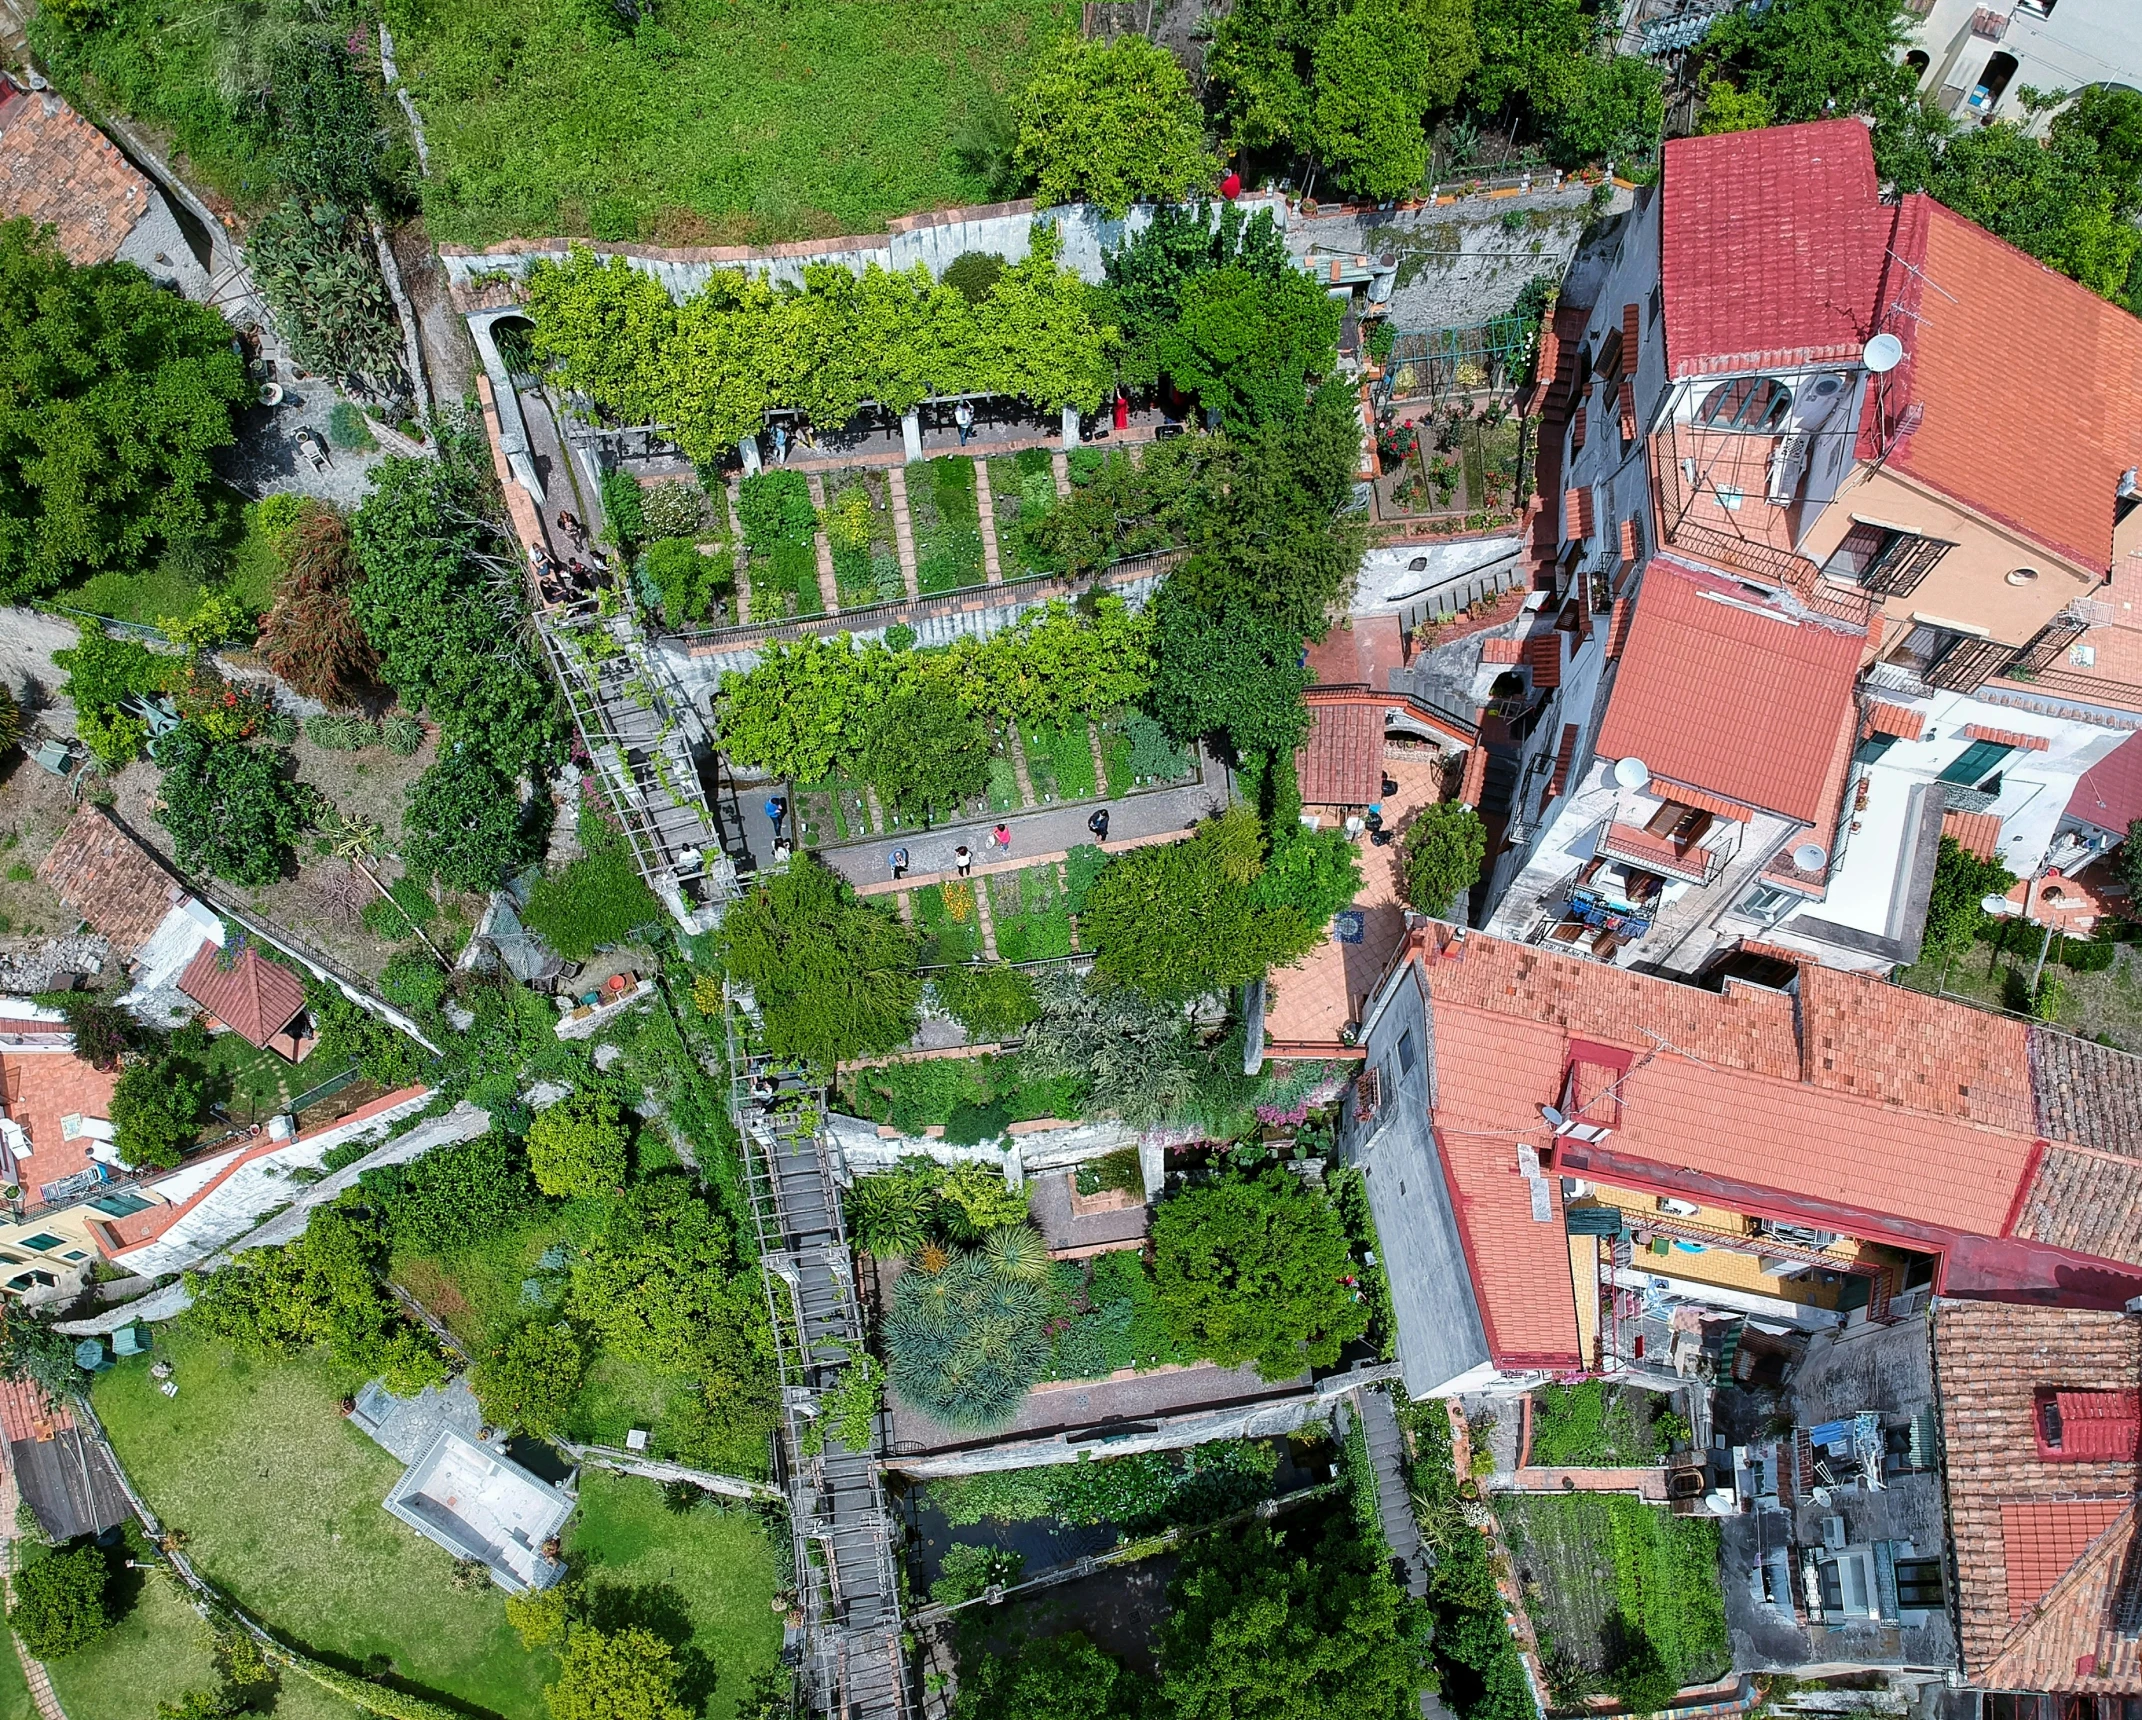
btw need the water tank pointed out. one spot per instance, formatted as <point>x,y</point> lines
<point>282,1127</point>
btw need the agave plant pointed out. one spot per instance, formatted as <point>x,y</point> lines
<point>966,1342</point>
<point>1017,1252</point>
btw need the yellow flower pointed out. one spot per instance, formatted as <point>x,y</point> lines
<point>959,903</point>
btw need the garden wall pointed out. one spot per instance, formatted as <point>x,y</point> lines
<point>863,1150</point>
<point>932,239</point>
<point>1287,1410</point>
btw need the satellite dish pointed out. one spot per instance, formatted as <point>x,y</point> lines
<point>1882,354</point>
<point>1631,772</point>
<point>1810,856</point>
<point>1555,1118</point>
<point>1997,904</point>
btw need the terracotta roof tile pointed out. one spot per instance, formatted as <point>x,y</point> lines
<point>56,167</point>
<point>2064,1644</point>
<point>1543,656</point>
<point>1341,764</point>
<point>2109,793</point>
<point>1363,654</point>
<point>1502,649</point>
<point>1475,779</point>
<point>1899,720</point>
<point>1991,1359</point>
<point>2071,367</point>
<point>1564,755</point>
<point>39,1090</point>
<point>257,999</point>
<point>1772,247</point>
<point>2084,1200</point>
<point>2042,1538</point>
<point>1732,697</point>
<point>1688,795</point>
<point>1577,422</point>
<point>27,1413</point>
<point>1577,512</point>
<point>1618,629</point>
<point>100,871</point>
<point>1905,1048</point>
<point>2086,1093</point>
<point>2007,738</point>
<point>1975,832</point>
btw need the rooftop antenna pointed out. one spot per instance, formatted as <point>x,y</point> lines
<point>1925,278</point>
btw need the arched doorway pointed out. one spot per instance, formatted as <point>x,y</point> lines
<point>1993,84</point>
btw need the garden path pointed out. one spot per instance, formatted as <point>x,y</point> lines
<point>1036,834</point>
<point>992,564</point>
<point>828,586</point>
<point>1387,1454</point>
<point>1049,1199</point>
<point>1647,1484</point>
<point>903,530</point>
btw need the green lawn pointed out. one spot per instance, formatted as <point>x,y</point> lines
<point>281,1500</point>
<point>15,1703</point>
<point>951,928</point>
<point>746,121</point>
<point>157,1653</point>
<point>704,1580</point>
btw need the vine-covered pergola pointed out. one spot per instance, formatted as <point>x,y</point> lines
<point>1499,349</point>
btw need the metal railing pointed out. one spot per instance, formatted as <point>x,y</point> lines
<point>1662,854</point>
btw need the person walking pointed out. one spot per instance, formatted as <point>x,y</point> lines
<point>962,859</point>
<point>1001,838</point>
<point>780,444</point>
<point>776,810</point>
<point>1098,824</point>
<point>898,861</point>
<point>963,417</point>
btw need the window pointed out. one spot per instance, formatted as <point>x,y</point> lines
<point>1872,748</point>
<point>1979,760</point>
<point>74,1254</point>
<point>1746,403</point>
<point>1883,561</point>
<point>1408,1053</point>
<point>42,1241</point>
<point>1767,904</point>
<point>1919,1584</point>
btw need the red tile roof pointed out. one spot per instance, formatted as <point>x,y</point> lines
<point>2109,793</point>
<point>56,167</point>
<point>1730,696</point>
<point>1341,764</point>
<point>1475,779</point>
<point>2007,738</point>
<point>2071,378</point>
<point>2097,1426</point>
<point>1502,649</point>
<point>101,871</point>
<point>27,1413</point>
<point>1565,754</point>
<point>40,1089</point>
<point>2043,1538</point>
<point>1899,720</point>
<point>1667,789</point>
<point>1975,832</point>
<point>1772,247</point>
<point>1618,629</point>
<point>1543,655</point>
<point>2025,1612</point>
<point>255,999</point>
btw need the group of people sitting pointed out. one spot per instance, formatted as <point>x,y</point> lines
<point>575,578</point>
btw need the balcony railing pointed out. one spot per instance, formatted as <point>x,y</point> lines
<point>1661,853</point>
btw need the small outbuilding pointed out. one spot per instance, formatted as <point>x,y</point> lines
<point>480,1505</point>
<point>260,1001</point>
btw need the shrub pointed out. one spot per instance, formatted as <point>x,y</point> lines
<point>465,822</point>
<point>452,1196</point>
<point>311,636</point>
<point>1111,122</point>
<point>623,507</point>
<point>598,900</point>
<point>1252,1271</point>
<point>630,1674</point>
<point>974,1200</point>
<point>773,508</point>
<point>347,430</point>
<point>341,734</point>
<point>231,809</point>
<point>988,999</point>
<point>102,1031</point>
<point>403,735</point>
<point>684,582</point>
<point>673,510</point>
<point>966,1571</point>
<point>531,1382</point>
<point>412,980</point>
<point>60,1602</point>
<point>964,1343</point>
<point>541,1617</point>
<point>1442,854</point>
<point>578,1145</point>
<point>973,274</point>
<point>1961,881</point>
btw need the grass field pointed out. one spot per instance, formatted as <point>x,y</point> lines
<point>704,1581</point>
<point>727,121</point>
<point>1594,1565</point>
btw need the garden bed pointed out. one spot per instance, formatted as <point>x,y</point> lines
<point>1461,466</point>
<point>1027,912</point>
<point>688,567</point>
<point>1022,492</point>
<point>832,812</point>
<point>1601,1572</point>
<point>912,1097</point>
<point>1059,761</point>
<point>947,523</point>
<point>949,920</point>
<point>1003,792</point>
<point>1596,1425</point>
<point>780,530</point>
<point>859,529</point>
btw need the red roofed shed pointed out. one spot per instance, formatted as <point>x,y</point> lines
<point>257,1000</point>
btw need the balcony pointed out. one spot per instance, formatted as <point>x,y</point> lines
<point>1675,859</point>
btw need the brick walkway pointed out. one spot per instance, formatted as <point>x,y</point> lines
<point>1648,1484</point>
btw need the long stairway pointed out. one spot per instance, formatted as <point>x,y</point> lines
<point>636,727</point>
<point>1387,1453</point>
<point>837,1512</point>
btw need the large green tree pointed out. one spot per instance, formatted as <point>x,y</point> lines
<point>466,822</point>
<point>1111,122</point>
<point>1238,677</point>
<point>1251,1271</point>
<point>1058,1678</point>
<point>156,1109</point>
<point>1149,273</point>
<point>1258,1629</point>
<point>629,1674</point>
<point>578,1146</point>
<point>113,394</point>
<point>924,750</point>
<point>61,1601</point>
<point>1177,920</point>
<point>1381,69</point>
<point>834,976</point>
<point>233,810</point>
<point>1810,59</point>
<point>1247,344</point>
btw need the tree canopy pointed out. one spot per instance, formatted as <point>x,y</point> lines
<point>628,1674</point>
<point>1238,678</point>
<point>833,975</point>
<point>113,393</point>
<point>1250,1271</point>
<point>1112,122</point>
<point>578,1146</point>
<point>233,810</point>
<point>1246,344</point>
<point>1057,1678</point>
<point>1443,850</point>
<point>60,1601</point>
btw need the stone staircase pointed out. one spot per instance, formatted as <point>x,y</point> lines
<point>1387,1452</point>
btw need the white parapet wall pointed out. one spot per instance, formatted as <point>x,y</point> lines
<point>862,1149</point>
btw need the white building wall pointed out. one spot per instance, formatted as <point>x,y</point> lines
<point>2057,45</point>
